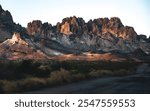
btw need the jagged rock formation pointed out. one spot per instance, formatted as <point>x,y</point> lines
<point>71,36</point>
<point>5,16</point>
<point>66,29</point>
<point>36,28</point>
<point>7,25</point>
<point>72,25</point>
<point>17,39</point>
<point>98,35</point>
<point>17,48</point>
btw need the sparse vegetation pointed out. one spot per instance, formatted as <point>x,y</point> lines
<point>8,86</point>
<point>31,83</point>
<point>59,77</point>
<point>26,75</point>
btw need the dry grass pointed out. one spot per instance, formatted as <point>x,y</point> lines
<point>122,72</point>
<point>31,75</point>
<point>59,77</point>
<point>98,73</point>
<point>78,77</point>
<point>32,83</point>
<point>8,86</point>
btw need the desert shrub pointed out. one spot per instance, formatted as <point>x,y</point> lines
<point>98,73</point>
<point>33,68</point>
<point>43,70</point>
<point>94,73</point>
<point>19,68</point>
<point>54,80</point>
<point>32,83</point>
<point>8,86</point>
<point>25,75</point>
<point>106,72</point>
<point>117,72</point>
<point>78,77</point>
<point>1,88</point>
<point>88,66</point>
<point>122,72</point>
<point>58,77</point>
<point>80,66</point>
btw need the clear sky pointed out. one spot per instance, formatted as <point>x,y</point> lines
<point>134,13</point>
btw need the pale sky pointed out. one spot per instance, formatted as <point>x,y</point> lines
<point>134,13</point>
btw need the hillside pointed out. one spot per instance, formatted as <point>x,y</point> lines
<point>73,36</point>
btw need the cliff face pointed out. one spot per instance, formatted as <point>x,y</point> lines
<point>71,36</point>
<point>77,27</point>
<point>36,28</point>
<point>7,25</point>
<point>5,16</point>
<point>102,34</point>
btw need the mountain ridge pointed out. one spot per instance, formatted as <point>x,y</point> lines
<point>71,36</point>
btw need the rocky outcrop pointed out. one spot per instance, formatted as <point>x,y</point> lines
<point>65,29</point>
<point>72,25</point>
<point>17,48</point>
<point>16,39</point>
<point>71,36</point>
<point>113,26</point>
<point>5,17</point>
<point>102,34</point>
<point>77,26</point>
<point>7,25</point>
<point>36,29</point>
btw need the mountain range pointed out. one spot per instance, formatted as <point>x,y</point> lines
<point>73,38</point>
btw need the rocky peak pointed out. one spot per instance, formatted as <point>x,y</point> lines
<point>65,29</point>
<point>127,33</point>
<point>99,34</point>
<point>6,25</point>
<point>115,22</point>
<point>72,25</point>
<point>76,26</point>
<point>72,35</point>
<point>113,26</point>
<point>5,17</point>
<point>16,39</point>
<point>36,28</point>
<point>1,9</point>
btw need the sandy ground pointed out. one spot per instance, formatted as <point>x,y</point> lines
<point>133,84</point>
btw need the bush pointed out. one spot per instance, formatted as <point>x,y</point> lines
<point>58,77</point>
<point>122,72</point>
<point>106,72</point>
<point>98,73</point>
<point>78,77</point>
<point>25,75</point>
<point>32,83</point>
<point>8,86</point>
